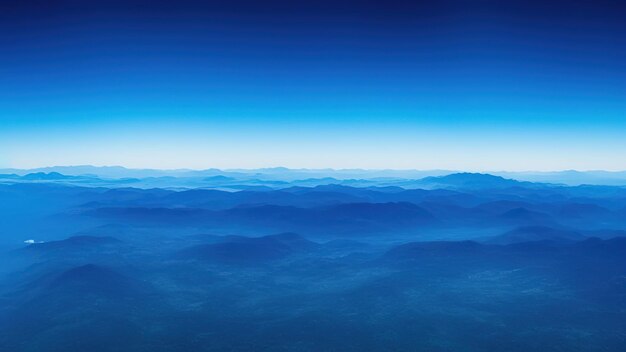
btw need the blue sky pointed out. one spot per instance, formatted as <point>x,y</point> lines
<point>472,85</point>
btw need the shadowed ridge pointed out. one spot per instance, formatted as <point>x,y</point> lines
<point>250,250</point>
<point>89,279</point>
<point>582,210</point>
<point>414,250</point>
<point>292,240</point>
<point>391,211</point>
<point>615,245</point>
<point>535,233</point>
<point>523,215</point>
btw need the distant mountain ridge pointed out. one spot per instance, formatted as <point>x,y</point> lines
<point>569,177</point>
<point>469,180</point>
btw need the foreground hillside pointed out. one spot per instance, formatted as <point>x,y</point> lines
<point>465,263</point>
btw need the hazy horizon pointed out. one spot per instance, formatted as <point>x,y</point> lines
<point>244,168</point>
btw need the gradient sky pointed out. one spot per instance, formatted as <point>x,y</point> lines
<point>466,85</point>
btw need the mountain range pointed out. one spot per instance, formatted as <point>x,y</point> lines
<point>308,260</point>
<point>281,175</point>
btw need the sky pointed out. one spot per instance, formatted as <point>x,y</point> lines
<point>473,85</point>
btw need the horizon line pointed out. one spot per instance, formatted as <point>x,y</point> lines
<point>310,169</point>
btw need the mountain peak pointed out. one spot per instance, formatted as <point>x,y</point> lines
<point>44,176</point>
<point>468,180</point>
